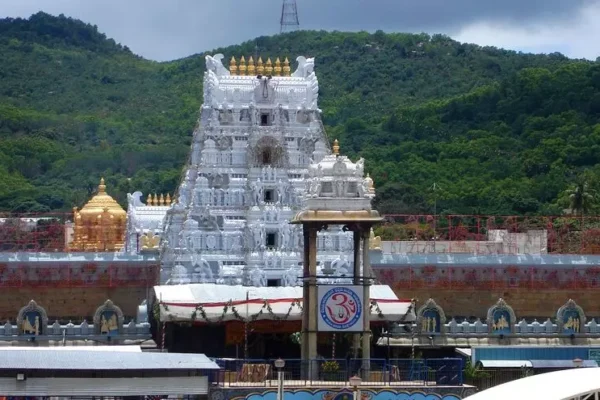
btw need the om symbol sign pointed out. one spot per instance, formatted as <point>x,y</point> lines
<point>340,308</point>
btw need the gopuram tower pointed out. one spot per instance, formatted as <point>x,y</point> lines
<point>259,130</point>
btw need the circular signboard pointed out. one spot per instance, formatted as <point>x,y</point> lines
<point>340,308</point>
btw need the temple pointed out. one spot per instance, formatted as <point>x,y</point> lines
<point>99,225</point>
<point>259,130</point>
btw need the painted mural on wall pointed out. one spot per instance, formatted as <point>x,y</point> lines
<point>32,320</point>
<point>108,319</point>
<point>108,323</point>
<point>347,395</point>
<point>501,319</point>
<point>431,318</point>
<point>570,318</point>
<point>501,322</point>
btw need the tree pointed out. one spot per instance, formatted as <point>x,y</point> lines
<point>580,198</point>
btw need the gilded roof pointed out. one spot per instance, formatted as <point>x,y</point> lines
<point>102,201</point>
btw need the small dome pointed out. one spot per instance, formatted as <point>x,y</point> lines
<point>101,202</point>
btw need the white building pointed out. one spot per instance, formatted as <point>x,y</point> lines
<point>259,130</point>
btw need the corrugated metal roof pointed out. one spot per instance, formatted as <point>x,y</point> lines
<point>97,387</point>
<point>562,364</point>
<point>114,349</point>
<point>464,352</point>
<point>532,353</point>
<point>99,360</point>
<point>505,363</point>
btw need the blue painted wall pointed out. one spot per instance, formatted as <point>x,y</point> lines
<point>530,353</point>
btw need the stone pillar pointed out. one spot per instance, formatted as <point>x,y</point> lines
<point>366,338</point>
<point>356,281</point>
<point>310,303</point>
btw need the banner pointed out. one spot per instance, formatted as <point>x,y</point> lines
<point>340,308</point>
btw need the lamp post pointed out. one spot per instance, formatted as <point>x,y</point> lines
<point>279,364</point>
<point>578,363</point>
<point>355,381</point>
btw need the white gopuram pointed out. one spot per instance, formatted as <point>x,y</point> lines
<point>259,131</point>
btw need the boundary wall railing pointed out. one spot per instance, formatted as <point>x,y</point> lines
<point>337,372</point>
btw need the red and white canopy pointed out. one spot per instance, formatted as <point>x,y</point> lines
<point>207,302</point>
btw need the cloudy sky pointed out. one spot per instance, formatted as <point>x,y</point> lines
<point>170,29</point>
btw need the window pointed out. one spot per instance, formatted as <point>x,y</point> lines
<point>326,187</point>
<point>270,240</point>
<point>352,189</point>
<point>264,119</point>
<point>269,196</point>
<point>273,282</point>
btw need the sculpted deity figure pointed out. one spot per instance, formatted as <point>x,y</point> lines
<point>363,188</point>
<point>285,236</point>
<point>290,278</point>
<point>328,242</point>
<point>257,192</point>
<point>339,186</point>
<point>257,278</point>
<point>360,167</point>
<point>281,191</point>
<point>315,187</point>
<point>256,234</point>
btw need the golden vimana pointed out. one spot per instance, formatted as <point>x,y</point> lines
<point>250,67</point>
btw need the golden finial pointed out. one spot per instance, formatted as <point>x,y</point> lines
<point>269,67</point>
<point>149,200</point>
<point>260,69</point>
<point>232,66</point>
<point>101,187</point>
<point>242,66</point>
<point>371,183</point>
<point>251,69</point>
<point>286,67</point>
<point>336,147</point>
<point>277,69</point>
<point>162,200</point>
<point>155,200</point>
<point>168,200</point>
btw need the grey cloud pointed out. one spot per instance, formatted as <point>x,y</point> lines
<point>168,29</point>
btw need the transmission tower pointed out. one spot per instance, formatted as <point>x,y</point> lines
<point>289,16</point>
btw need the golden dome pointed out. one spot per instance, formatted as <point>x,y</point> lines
<point>102,202</point>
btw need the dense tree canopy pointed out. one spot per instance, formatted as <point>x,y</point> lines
<point>497,131</point>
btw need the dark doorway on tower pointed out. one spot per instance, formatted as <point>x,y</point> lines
<point>269,196</point>
<point>267,157</point>
<point>273,282</point>
<point>264,120</point>
<point>271,240</point>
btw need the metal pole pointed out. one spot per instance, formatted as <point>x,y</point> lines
<point>279,384</point>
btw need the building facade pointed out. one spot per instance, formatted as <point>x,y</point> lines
<point>259,130</point>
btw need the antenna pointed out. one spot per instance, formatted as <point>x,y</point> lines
<point>289,16</point>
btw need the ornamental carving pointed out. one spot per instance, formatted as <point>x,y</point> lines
<point>32,320</point>
<point>431,318</point>
<point>501,319</point>
<point>108,319</point>
<point>570,318</point>
<point>268,151</point>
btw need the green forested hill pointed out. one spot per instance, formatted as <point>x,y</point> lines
<point>499,131</point>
